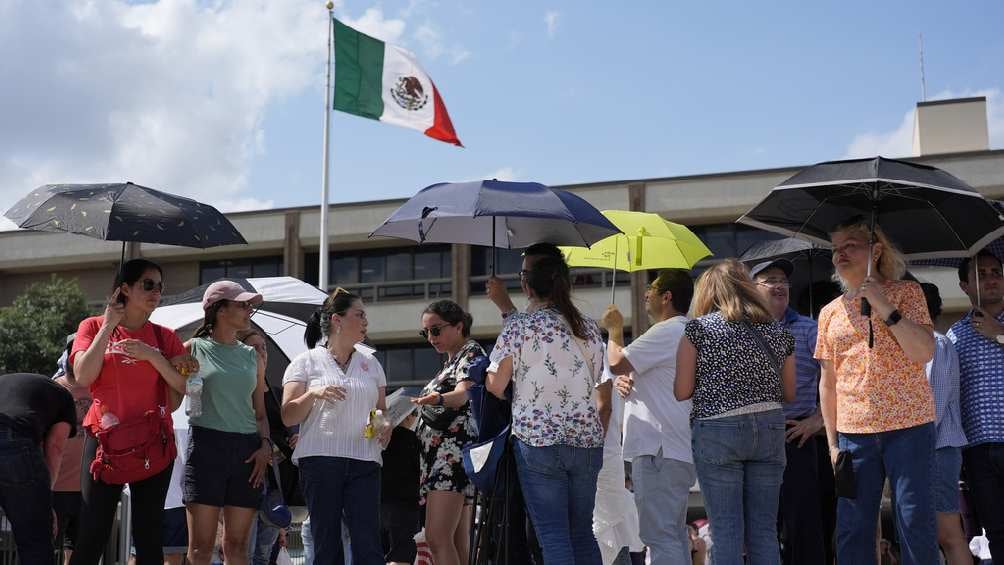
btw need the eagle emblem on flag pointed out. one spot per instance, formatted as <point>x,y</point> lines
<point>409,94</point>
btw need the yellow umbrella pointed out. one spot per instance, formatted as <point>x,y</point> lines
<point>649,242</point>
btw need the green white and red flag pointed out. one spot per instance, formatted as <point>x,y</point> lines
<point>384,82</point>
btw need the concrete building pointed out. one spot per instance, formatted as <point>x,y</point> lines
<point>398,279</point>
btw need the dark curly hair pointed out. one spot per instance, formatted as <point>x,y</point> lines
<point>452,314</point>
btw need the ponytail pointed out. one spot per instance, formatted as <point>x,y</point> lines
<point>550,279</point>
<point>313,332</point>
<point>206,329</point>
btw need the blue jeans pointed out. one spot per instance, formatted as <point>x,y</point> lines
<point>25,497</point>
<point>337,487</point>
<point>740,465</point>
<point>906,457</point>
<point>559,486</point>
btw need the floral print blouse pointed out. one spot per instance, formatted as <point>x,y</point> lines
<point>879,389</point>
<point>553,385</point>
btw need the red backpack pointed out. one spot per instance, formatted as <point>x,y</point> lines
<point>139,448</point>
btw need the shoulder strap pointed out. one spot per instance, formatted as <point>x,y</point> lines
<point>762,343</point>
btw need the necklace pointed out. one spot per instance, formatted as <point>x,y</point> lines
<point>343,366</point>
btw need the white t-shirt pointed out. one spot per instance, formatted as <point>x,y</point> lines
<point>653,418</point>
<point>361,382</point>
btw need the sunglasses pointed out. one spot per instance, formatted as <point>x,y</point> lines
<point>241,305</point>
<point>434,331</point>
<point>149,285</point>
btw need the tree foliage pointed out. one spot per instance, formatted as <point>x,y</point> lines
<point>33,330</point>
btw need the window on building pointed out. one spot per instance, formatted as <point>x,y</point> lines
<point>389,273</point>
<point>409,363</point>
<point>251,267</point>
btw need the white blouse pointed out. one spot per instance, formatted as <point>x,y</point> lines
<point>335,429</point>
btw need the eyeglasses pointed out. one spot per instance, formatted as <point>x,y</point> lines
<point>775,283</point>
<point>434,331</point>
<point>150,284</point>
<point>242,305</point>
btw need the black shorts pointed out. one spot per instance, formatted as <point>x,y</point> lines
<point>215,471</point>
<point>67,507</point>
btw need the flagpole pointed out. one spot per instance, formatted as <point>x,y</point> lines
<point>322,260</point>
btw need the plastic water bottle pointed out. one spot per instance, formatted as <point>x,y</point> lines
<point>327,422</point>
<point>108,419</point>
<point>193,389</point>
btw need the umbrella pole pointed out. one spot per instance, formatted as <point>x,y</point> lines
<point>866,308</point>
<point>812,309</point>
<point>494,254</point>
<point>122,256</point>
<point>613,275</point>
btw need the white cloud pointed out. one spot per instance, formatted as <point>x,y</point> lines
<point>373,23</point>
<point>898,142</point>
<point>170,94</point>
<point>504,173</point>
<point>551,20</point>
<point>433,46</point>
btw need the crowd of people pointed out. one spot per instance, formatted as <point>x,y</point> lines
<point>791,426</point>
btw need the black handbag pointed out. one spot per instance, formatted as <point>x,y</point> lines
<point>440,418</point>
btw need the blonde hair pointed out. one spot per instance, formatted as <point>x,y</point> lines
<point>891,263</point>
<point>727,288</point>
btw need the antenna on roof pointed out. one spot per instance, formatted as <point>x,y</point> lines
<point>923,79</point>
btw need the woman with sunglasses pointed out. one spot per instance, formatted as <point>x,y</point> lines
<point>444,427</point>
<point>229,444</point>
<point>330,391</point>
<point>130,366</point>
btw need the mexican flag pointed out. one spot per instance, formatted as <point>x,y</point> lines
<point>383,82</point>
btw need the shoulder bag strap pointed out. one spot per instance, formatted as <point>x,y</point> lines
<point>763,346</point>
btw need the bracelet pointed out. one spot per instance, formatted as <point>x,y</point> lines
<point>441,400</point>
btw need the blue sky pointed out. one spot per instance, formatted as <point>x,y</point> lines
<point>224,100</point>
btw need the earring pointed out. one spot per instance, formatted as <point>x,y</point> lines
<point>338,330</point>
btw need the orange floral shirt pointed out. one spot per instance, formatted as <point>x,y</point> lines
<point>878,389</point>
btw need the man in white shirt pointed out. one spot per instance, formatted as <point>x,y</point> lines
<point>656,425</point>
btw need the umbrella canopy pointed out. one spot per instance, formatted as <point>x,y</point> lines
<point>282,317</point>
<point>648,241</point>
<point>124,212</point>
<point>813,264</point>
<point>496,213</point>
<point>927,212</point>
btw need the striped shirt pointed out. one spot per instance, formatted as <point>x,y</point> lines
<point>806,366</point>
<point>943,374</point>
<point>981,382</point>
<point>335,429</point>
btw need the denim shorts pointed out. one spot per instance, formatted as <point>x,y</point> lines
<point>945,486</point>
<point>215,471</point>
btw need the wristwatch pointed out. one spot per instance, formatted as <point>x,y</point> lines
<point>894,318</point>
<point>440,400</point>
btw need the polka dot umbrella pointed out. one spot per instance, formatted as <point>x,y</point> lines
<point>124,212</point>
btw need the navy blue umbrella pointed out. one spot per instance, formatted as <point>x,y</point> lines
<point>495,213</point>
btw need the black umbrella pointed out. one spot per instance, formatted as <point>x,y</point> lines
<point>808,257</point>
<point>124,212</point>
<point>927,212</point>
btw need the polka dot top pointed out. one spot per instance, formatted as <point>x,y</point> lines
<point>732,371</point>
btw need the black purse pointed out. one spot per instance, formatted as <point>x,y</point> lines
<point>440,418</point>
